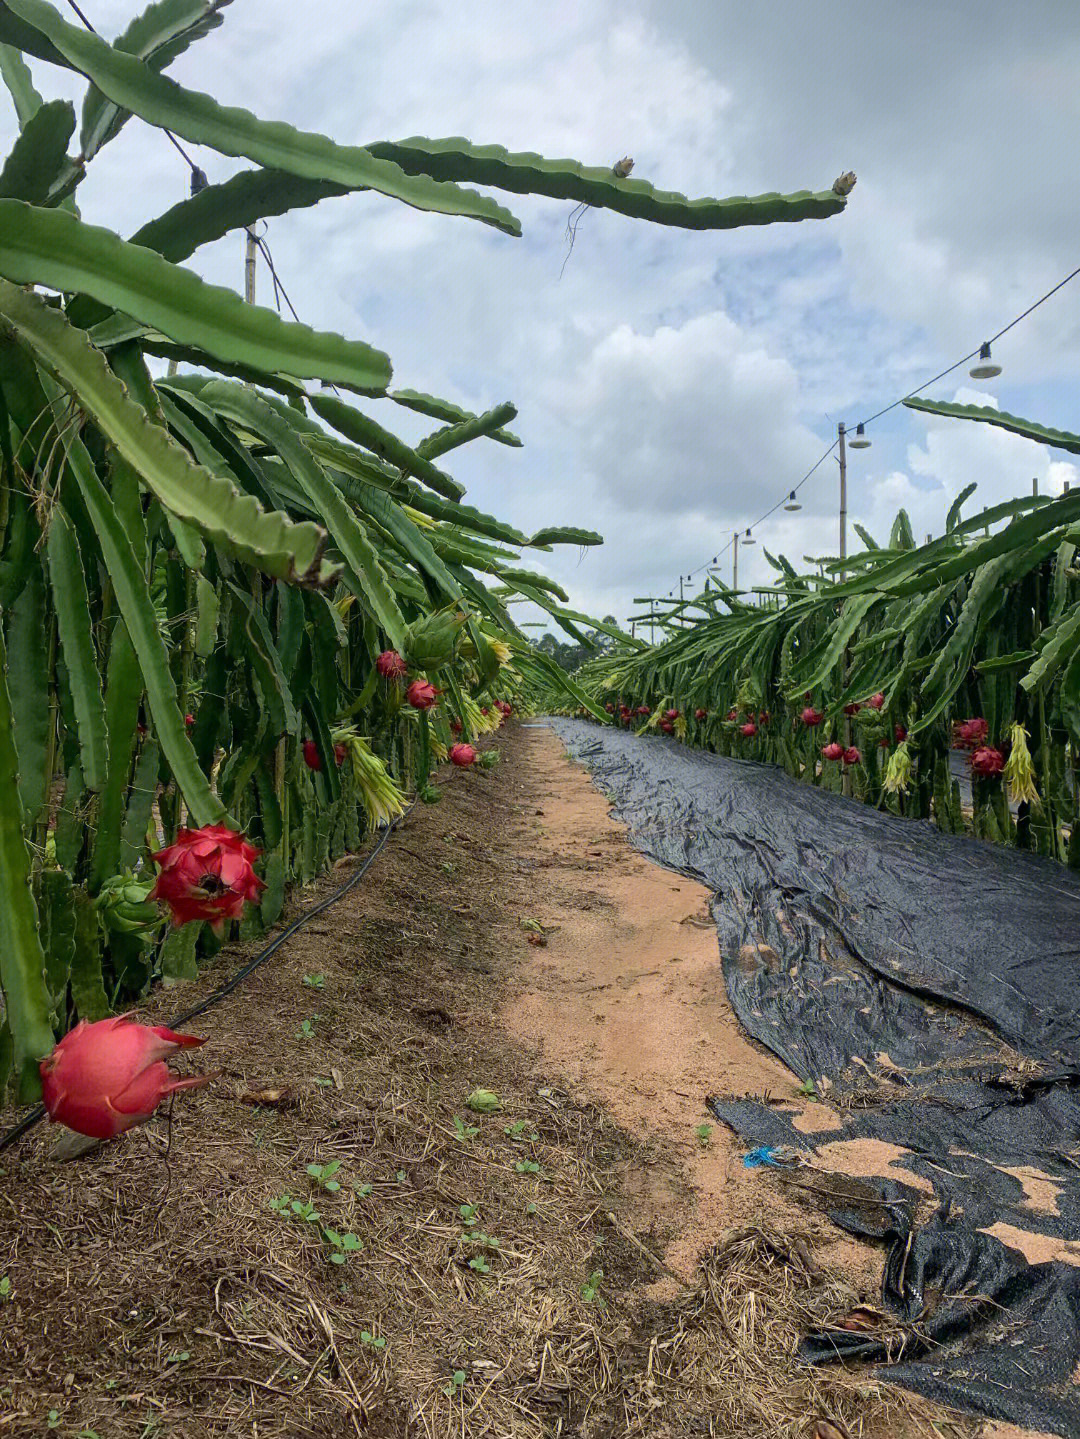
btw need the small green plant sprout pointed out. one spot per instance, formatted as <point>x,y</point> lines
<point>808,1089</point>
<point>527,1166</point>
<point>533,926</point>
<point>465,1131</point>
<point>361,1190</point>
<point>307,1027</point>
<point>484,1101</point>
<point>373,1341</point>
<point>288,1207</point>
<point>517,1131</point>
<point>340,1245</point>
<point>180,1358</point>
<point>473,1235</point>
<point>323,1083</point>
<point>530,1208</point>
<point>315,981</point>
<point>54,1419</point>
<point>590,1290</point>
<point>323,1175</point>
<point>5,1288</point>
<point>457,1383</point>
<point>704,1134</point>
<point>447,867</point>
<point>401,1176</point>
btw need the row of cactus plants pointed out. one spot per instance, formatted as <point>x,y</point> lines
<point>241,617</point>
<point>865,672</point>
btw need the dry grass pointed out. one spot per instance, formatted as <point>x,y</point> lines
<point>723,1360</point>
<point>157,1295</point>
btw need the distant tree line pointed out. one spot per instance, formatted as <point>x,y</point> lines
<point>572,656</point>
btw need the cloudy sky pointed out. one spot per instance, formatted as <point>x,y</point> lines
<point>672,385</point>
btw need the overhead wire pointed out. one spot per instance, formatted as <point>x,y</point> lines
<point>198,182</point>
<point>195,171</point>
<point>909,394</point>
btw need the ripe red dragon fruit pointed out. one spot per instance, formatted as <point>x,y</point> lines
<point>700,714</point>
<point>987,761</point>
<point>106,1077</point>
<point>390,665</point>
<point>749,729</point>
<point>832,751</point>
<point>610,708</point>
<point>207,874</point>
<point>970,733</point>
<point>900,733</point>
<point>312,758</point>
<point>671,714</point>
<point>463,755</point>
<point>852,709</point>
<point>877,701</point>
<point>732,715</point>
<point>505,708</point>
<point>421,695</point>
<point>811,717</point>
<point>189,720</point>
<point>667,726</point>
<point>852,755</point>
<point>764,717</point>
<point>644,711</point>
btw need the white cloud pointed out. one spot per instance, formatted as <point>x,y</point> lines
<point>685,420</point>
<point>672,385</point>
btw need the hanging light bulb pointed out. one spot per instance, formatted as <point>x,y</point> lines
<point>984,368</point>
<point>748,539</point>
<point>858,440</point>
<point>792,503</point>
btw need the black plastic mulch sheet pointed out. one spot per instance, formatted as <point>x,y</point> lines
<point>932,984</point>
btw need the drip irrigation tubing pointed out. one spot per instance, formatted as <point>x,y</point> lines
<point>37,1114</point>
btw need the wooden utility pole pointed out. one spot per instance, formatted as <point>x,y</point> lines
<point>250,254</point>
<point>735,564</point>
<point>840,433</point>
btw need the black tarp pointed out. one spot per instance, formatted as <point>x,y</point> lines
<point>930,982</point>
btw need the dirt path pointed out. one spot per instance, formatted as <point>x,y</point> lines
<point>524,1274</point>
<point>628,1000</point>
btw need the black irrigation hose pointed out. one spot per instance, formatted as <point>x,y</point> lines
<point>37,1114</point>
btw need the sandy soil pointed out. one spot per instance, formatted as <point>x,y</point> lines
<point>628,1000</point>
